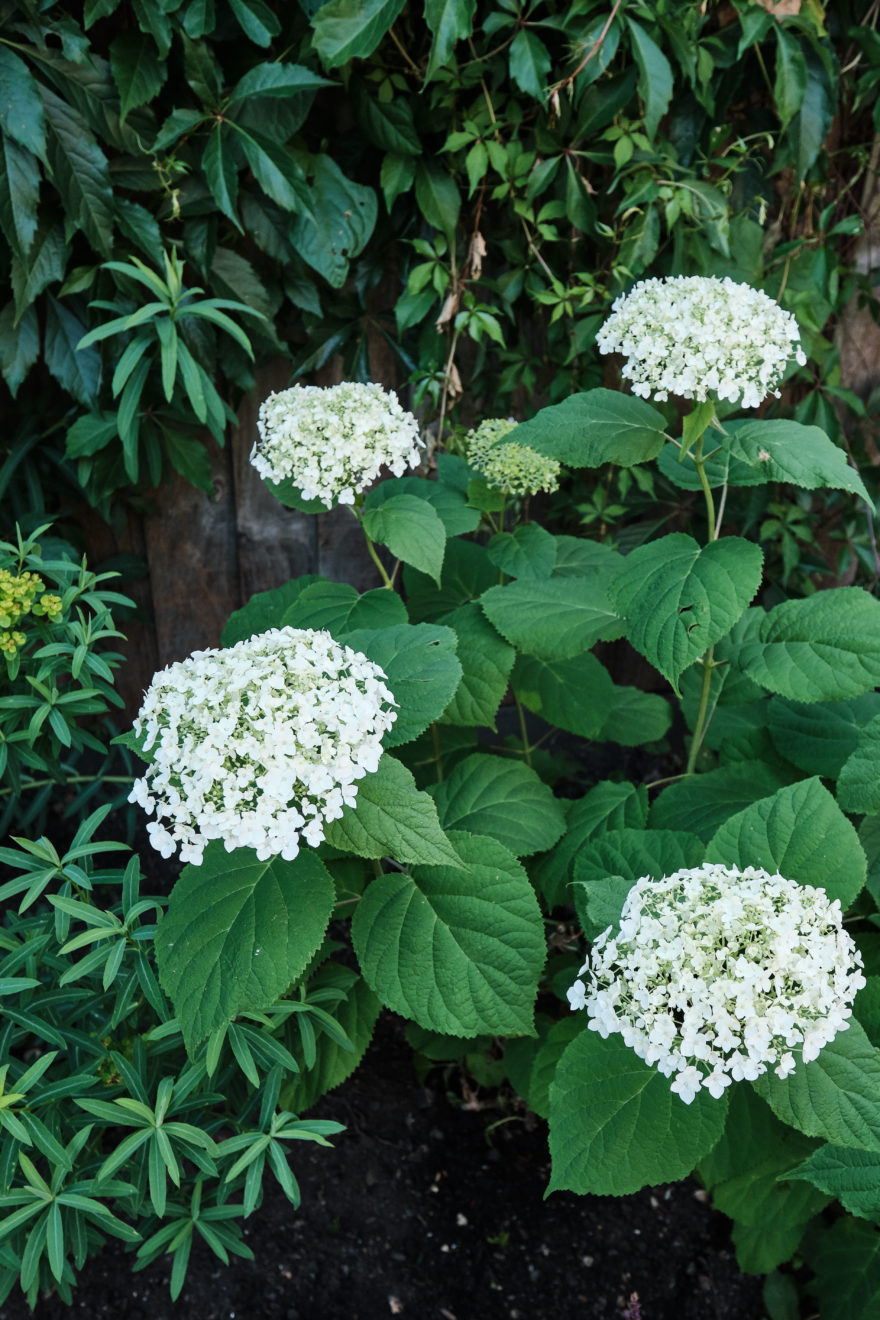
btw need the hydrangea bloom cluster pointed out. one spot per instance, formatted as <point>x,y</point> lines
<point>507,466</point>
<point>333,443</point>
<point>696,335</point>
<point>259,744</point>
<point>717,975</point>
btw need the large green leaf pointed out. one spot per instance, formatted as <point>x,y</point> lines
<point>458,951</point>
<point>655,76</point>
<point>237,932</point>
<point>266,609</point>
<point>503,799</point>
<point>599,426</point>
<point>801,455</point>
<point>615,1126</point>
<point>527,552</point>
<point>79,372</point>
<point>21,109</point>
<point>467,572</point>
<point>846,1260</point>
<point>437,195</point>
<point>679,598</point>
<point>823,648</point>
<point>276,80</point>
<point>392,819</point>
<point>80,172</point>
<point>634,718</point>
<point>275,170</point>
<point>808,130</point>
<point>449,504</point>
<point>701,803</point>
<point>421,668</point>
<point>221,171</point>
<point>486,661</point>
<point>19,195</point>
<point>571,694</point>
<point>858,788</point>
<point>790,82</point>
<point>555,619</point>
<point>608,806</point>
<point>748,1175</point>
<point>352,29</point>
<point>607,867</point>
<point>836,1097</point>
<point>412,530</point>
<point>720,468</point>
<point>801,833</point>
<point>43,265</point>
<point>137,70</point>
<point>449,21</point>
<point>852,1176</point>
<point>547,1058</point>
<point>529,63</point>
<point>339,608</point>
<point>819,737</point>
<point>19,346</point>
<point>257,20</point>
<point>344,216</point>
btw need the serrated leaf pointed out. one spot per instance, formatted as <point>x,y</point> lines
<point>412,530</point>
<point>571,694</point>
<point>486,661</point>
<point>340,609</point>
<point>655,76</point>
<point>351,29</point>
<point>503,799</point>
<point>608,806</point>
<point>749,1173</point>
<point>720,468</point>
<point>421,669</point>
<point>529,63</point>
<point>265,609</point>
<point>343,220</point>
<point>836,1097</point>
<point>596,427</point>
<point>392,819</point>
<point>823,648</point>
<point>77,371</point>
<point>19,345</point>
<point>858,788</point>
<point>221,172</point>
<point>237,932</point>
<point>275,170</point>
<point>19,195</point>
<point>819,737</point>
<point>387,124</point>
<point>466,573</point>
<point>547,1059</point>
<point>804,456</point>
<point>449,21</point>
<point>458,951</point>
<point>679,598</point>
<point>137,70</point>
<point>790,82</point>
<point>846,1260</point>
<point>80,171</point>
<point>527,552</point>
<point>449,505</point>
<point>21,109</point>
<point>808,130</point>
<point>276,81</point>
<point>44,266</point>
<point>634,718</point>
<point>801,833</point>
<point>607,867</point>
<point>701,803</point>
<point>437,195</point>
<point>615,1126</point>
<point>555,619</point>
<point>852,1176</point>
<point>257,20</point>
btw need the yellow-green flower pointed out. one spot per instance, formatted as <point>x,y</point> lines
<point>507,466</point>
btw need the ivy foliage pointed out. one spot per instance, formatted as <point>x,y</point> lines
<point>469,183</point>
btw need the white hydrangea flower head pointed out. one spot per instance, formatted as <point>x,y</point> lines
<point>259,744</point>
<point>332,443</point>
<point>699,336</point>
<point>507,466</point>
<point>718,974</point>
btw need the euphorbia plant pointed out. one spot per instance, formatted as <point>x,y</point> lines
<point>450,853</point>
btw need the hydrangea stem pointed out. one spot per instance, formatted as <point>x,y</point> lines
<point>387,581</point>
<point>708,663</point>
<point>527,750</point>
<point>707,489</point>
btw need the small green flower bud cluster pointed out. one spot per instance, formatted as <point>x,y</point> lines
<point>512,468</point>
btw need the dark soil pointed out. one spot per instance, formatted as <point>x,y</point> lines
<point>421,1211</point>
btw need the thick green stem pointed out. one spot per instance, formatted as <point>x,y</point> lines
<point>708,663</point>
<point>707,489</point>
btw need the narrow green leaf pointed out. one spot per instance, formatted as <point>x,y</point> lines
<point>655,76</point>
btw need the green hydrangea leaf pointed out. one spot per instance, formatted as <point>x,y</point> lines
<point>486,661</point>
<point>503,799</point>
<point>571,694</point>
<point>597,427</point>
<point>237,932</point>
<point>836,1097</point>
<point>847,1264</point>
<point>448,503</point>
<point>392,819</point>
<point>412,530</point>
<point>615,1126</point>
<point>679,598</point>
<point>266,609</point>
<point>555,619</point>
<point>607,867</point>
<point>421,668</point>
<point>803,456</point>
<point>527,552</point>
<point>823,648</point>
<point>340,609</point>
<point>858,788</point>
<point>852,1176</point>
<point>634,717</point>
<point>608,806</point>
<point>701,803</point>
<point>458,951</point>
<point>818,738</point>
<point>801,833</point>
